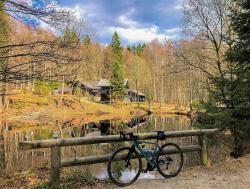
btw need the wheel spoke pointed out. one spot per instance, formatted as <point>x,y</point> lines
<point>169,165</point>
<point>124,171</point>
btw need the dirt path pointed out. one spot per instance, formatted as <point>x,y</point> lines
<point>232,174</point>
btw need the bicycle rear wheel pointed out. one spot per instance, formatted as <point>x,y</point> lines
<point>169,160</point>
<point>124,166</point>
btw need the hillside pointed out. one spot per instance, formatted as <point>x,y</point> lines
<point>35,109</point>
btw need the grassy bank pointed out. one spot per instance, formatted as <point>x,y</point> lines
<point>37,109</point>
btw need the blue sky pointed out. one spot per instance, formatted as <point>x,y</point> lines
<point>134,20</point>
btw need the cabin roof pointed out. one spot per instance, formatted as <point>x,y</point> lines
<point>104,83</point>
<point>134,91</point>
<point>91,85</point>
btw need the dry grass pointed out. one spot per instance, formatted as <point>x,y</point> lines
<point>42,110</point>
<point>37,109</point>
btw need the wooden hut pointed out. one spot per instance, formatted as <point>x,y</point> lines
<point>105,87</point>
<point>135,96</point>
<point>90,87</point>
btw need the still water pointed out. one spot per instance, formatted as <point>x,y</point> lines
<point>13,160</point>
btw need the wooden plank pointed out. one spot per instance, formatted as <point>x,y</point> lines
<point>105,158</point>
<point>107,139</point>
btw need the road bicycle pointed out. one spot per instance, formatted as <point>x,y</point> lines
<point>125,164</point>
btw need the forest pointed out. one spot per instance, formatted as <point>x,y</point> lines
<point>204,73</point>
<point>160,70</point>
<point>203,70</point>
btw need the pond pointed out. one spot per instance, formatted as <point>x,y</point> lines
<point>13,160</point>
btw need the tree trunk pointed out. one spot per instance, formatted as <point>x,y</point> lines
<point>161,90</point>
<point>61,97</point>
<point>4,101</point>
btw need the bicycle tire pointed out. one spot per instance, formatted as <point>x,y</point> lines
<point>112,159</point>
<point>179,152</point>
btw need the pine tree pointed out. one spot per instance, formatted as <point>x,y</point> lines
<point>86,40</point>
<point>230,108</point>
<point>239,57</point>
<point>139,49</point>
<point>70,37</point>
<point>129,48</point>
<point>117,70</point>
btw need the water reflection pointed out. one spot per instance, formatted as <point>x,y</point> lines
<point>14,160</point>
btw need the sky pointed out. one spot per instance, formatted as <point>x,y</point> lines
<point>136,21</point>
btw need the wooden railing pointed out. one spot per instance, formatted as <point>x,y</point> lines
<point>56,144</point>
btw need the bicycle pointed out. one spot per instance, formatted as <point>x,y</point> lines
<point>125,164</point>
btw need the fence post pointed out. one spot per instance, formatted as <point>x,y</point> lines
<point>204,152</point>
<point>55,166</point>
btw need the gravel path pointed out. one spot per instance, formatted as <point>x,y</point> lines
<point>231,174</point>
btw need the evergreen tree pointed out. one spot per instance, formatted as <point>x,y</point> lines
<point>70,37</point>
<point>144,46</point>
<point>117,70</point>
<point>239,57</point>
<point>138,49</point>
<point>133,48</point>
<point>229,105</point>
<point>129,48</point>
<point>86,40</point>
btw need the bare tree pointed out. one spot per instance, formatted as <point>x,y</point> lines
<point>23,61</point>
<point>46,11</point>
<point>207,22</point>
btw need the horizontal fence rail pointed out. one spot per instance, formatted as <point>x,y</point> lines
<point>107,139</point>
<point>56,144</point>
<point>105,158</point>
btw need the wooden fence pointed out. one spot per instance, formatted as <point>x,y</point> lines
<point>56,144</point>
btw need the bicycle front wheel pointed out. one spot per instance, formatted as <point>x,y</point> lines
<point>124,166</point>
<point>169,160</point>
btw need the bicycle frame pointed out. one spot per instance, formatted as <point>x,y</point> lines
<point>136,145</point>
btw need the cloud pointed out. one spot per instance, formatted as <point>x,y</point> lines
<point>124,20</point>
<point>178,7</point>
<point>172,31</point>
<point>135,21</point>
<point>170,6</point>
<point>82,11</point>
<point>133,34</point>
<point>47,27</point>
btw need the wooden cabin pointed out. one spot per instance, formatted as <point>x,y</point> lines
<point>135,96</point>
<point>105,87</point>
<point>90,87</point>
